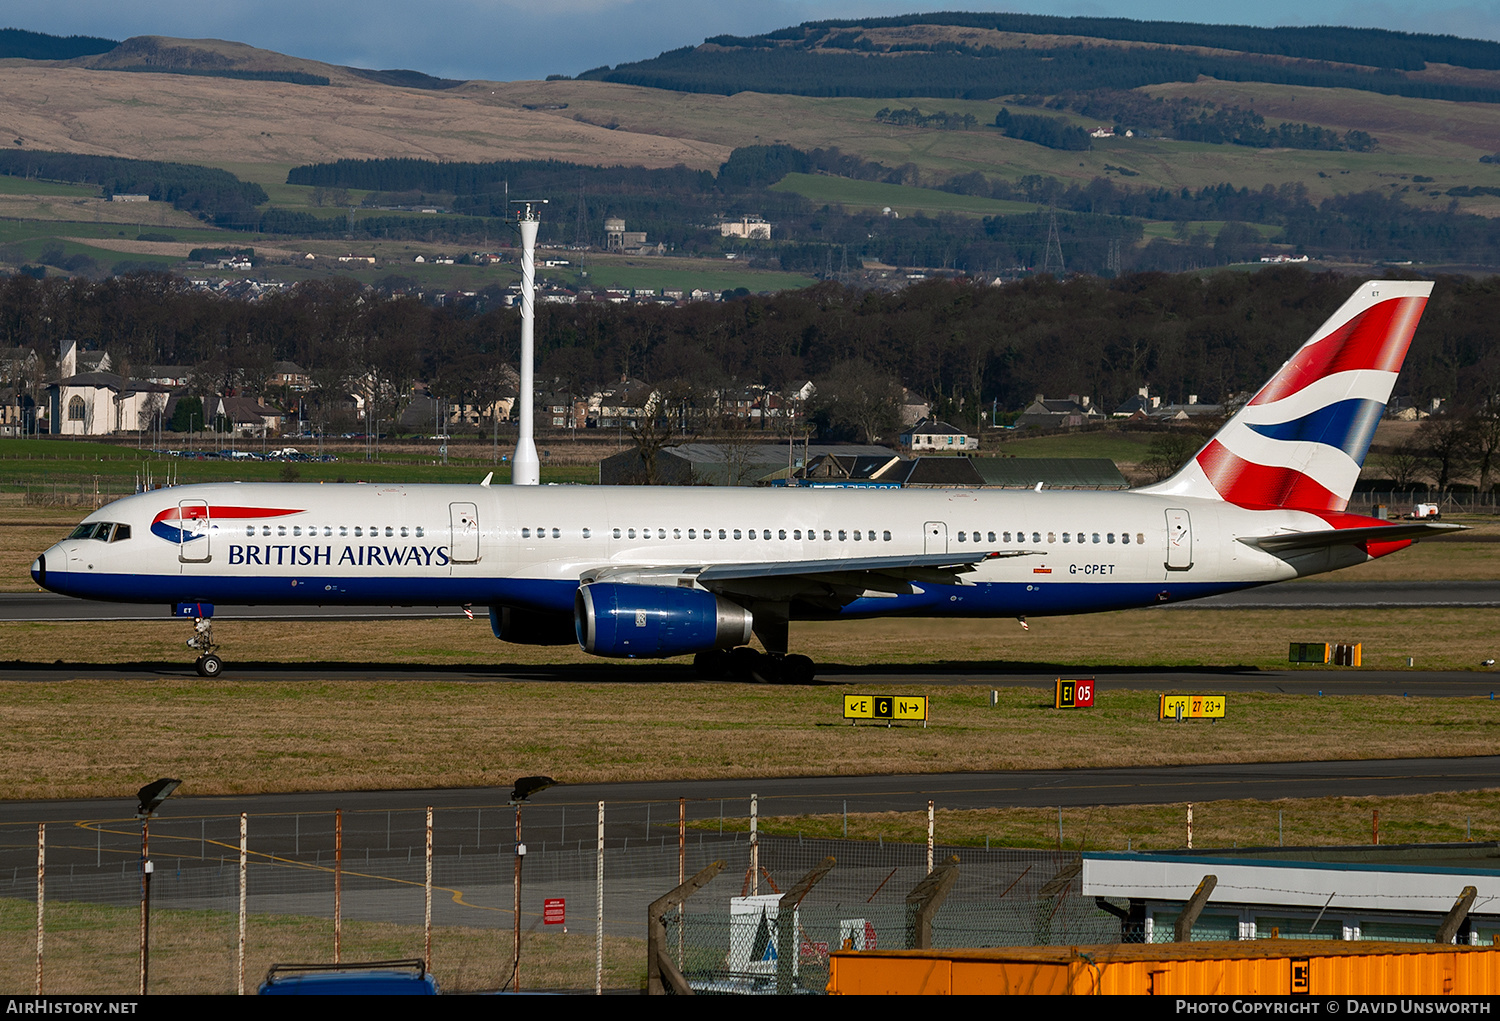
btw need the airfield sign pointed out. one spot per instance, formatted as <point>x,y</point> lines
<point>1192,707</point>
<point>885,707</point>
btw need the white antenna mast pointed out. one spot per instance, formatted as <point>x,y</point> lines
<point>525,468</point>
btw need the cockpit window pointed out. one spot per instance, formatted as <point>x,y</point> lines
<point>121,532</point>
<point>93,530</point>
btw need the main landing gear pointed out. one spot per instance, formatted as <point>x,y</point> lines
<point>209,664</point>
<point>747,664</point>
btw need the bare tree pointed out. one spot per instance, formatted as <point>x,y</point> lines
<point>1485,433</point>
<point>1449,442</point>
<point>1169,452</point>
<point>1405,464</point>
<point>857,395</point>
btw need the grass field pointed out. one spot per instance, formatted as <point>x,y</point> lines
<point>1292,822</point>
<point>904,200</point>
<point>92,948</point>
<point>82,738</point>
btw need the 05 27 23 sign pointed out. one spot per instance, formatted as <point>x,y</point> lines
<point>1192,707</point>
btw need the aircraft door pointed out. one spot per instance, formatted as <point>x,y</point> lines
<point>935,537</point>
<point>194,531</point>
<point>463,543</point>
<point>1179,540</point>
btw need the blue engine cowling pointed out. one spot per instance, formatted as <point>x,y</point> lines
<point>655,621</point>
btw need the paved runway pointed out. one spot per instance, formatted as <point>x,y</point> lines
<point>472,820</point>
<point>1304,681</point>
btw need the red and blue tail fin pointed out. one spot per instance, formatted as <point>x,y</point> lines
<point>1301,441</point>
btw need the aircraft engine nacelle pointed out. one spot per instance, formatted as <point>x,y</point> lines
<point>531,627</point>
<point>656,621</point>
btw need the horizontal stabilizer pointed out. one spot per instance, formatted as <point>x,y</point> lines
<point>1290,541</point>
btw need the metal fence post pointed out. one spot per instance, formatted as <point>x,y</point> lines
<point>599,910</point>
<point>755,845</point>
<point>240,984</point>
<point>338,885</point>
<point>41,897</point>
<point>427,899</point>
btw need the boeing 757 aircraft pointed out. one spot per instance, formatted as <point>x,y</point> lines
<point>658,572</point>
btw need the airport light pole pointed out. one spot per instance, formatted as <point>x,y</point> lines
<point>525,787</point>
<point>525,469</point>
<point>150,798</point>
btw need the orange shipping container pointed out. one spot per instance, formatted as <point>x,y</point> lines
<point>1273,967</point>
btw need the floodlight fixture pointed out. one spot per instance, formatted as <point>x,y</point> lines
<point>153,794</point>
<point>526,786</point>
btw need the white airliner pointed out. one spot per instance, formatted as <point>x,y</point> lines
<point>658,572</point>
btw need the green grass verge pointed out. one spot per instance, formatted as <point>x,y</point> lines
<point>93,948</point>
<point>901,198</point>
<point>1453,817</point>
<point>96,738</point>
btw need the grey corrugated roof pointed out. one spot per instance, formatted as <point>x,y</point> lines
<point>773,453</point>
<point>1056,472</point>
<point>935,471</point>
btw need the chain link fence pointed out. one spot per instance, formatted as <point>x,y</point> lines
<point>354,887</point>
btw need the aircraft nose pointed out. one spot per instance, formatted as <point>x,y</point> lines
<point>39,570</point>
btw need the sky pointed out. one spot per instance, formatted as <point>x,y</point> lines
<point>509,40</point>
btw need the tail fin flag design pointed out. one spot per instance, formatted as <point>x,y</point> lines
<point>1301,440</point>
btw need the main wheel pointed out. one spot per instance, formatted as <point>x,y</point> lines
<point>798,670</point>
<point>209,666</point>
<point>711,666</point>
<point>740,663</point>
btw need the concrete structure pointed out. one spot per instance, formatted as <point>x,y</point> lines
<point>752,228</point>
<point>1337,893</point>
<point>100,403</point>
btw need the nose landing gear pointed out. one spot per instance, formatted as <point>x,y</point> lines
<point>209,664</point>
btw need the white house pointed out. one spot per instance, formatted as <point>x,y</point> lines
<point>100,403</point>
<point>932,434</point>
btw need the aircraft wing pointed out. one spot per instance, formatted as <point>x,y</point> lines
<point>1289,541</point>
<point>836,580</point>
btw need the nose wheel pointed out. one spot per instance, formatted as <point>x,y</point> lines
<point>208,664</point>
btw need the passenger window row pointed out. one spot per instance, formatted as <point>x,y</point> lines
<point>751,534</point>
<point>1068,537</point>
<point>391,531</point>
